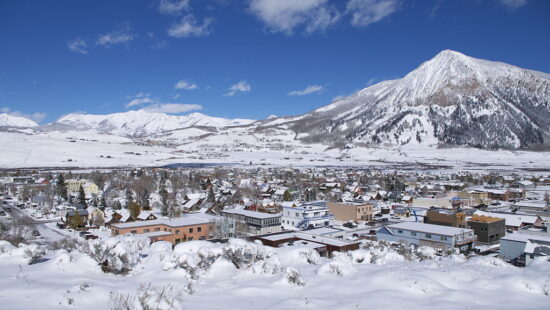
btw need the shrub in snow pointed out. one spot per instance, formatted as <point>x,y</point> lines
<point>148,297</point>
<point>5,246</point>
<point>293,276</point>
<point>244,254</point>
<point>33,253</point>
<point>67,244</point>
<point>117,254</point>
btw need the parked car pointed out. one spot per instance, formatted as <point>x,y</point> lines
<point>61,225</point>
<point>7,209</point>
<point>2,213</point>
<point>83,234</point>
<point>90,236</point>
<point>35,233</point>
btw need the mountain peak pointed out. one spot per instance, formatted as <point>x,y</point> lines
<point>15,121</point>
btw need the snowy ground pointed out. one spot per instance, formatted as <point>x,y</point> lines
<point>240,146</point>
<point>202,275</point>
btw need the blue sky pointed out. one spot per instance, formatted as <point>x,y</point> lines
<point>247,59</point>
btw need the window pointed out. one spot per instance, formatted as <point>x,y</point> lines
<point>191,230</point>
<point>443,238</point>
<point>178,241</point>
<point>146,230</point>
<point>133,231</point>
<point>400,231</point>
<point>177,231</point>
<point>429,236</point>
<point>413,233</point>
<point>190,238</point>
<point>199,229</point>
<point>157,229</point>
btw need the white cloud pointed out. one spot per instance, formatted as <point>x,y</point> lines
<point>513,4</point>
<point>78,45</point>
<point>37,117</point>
<point>285,15</point>
<point>123,35</point>
<point>173,7</point>
<point>189,27</point>
<point>366,12</point>
<point>154,105</point>
<point>306,91</point>
<point>139,101</point>
<point>172,108</point>
<point>186,85</point>
<point>242,86</point>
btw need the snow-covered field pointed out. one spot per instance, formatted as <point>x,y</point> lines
<point>238,145</point>
<point>243,275</point>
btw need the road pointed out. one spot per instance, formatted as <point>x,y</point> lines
<point>47,234</point>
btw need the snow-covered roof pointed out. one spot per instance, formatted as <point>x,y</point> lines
<point>254,214</point>
<point>430,228</point>
<point>187,220</point>
<point>511,219</point>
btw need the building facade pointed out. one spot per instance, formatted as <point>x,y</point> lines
<point>488,229</point>
<point>256,223</point>
<point>307,215</point>
<point>351,211</point>
<point>435,236</point>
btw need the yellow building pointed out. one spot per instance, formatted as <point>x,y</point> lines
<point>73,186</point>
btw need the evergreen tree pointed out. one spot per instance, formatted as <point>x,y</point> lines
<point>211,196</point>
<point>144,200</point>
<point>82,197</point>
<point>76,220</point>
<point>134,209</point>
<point>103,203</point>
<point>117,205</point>
<point>60,188</point>
<point>129,197</point>
<point>287,196</point>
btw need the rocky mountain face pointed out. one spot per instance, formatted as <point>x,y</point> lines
<point>450,99</point>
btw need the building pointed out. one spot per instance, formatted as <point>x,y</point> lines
<point>322,244</point>
<point>445,217</point>
<point>520,249</point>
<point>514,221</point>
<point>351,211</point>
<point>307,215</point>
<point>488,229</point>
<point>174,230</point>
<point>435,236</point>
<point>73,186</point>
<point>257,223</point>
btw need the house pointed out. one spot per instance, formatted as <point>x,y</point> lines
<point>488,229</point>
<point>407,199</point>
<point>73,186</point>
<point>351,211</point>
<point>146,216</point>
<point>435,236</point>
<point>520,249</point>
<point>70,217</point>
<point>306,215</point>
<point>322,244</point>
<point>257,223</point>
<point>120,216</point>
<point>445,217</point>
<point>174,230</point>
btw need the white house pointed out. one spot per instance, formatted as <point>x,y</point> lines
<point>258,223</point>
<point>306,215</point>
<point>435,236</point>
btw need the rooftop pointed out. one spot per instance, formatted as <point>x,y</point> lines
<point>430,228</point>
<point>187,220</point>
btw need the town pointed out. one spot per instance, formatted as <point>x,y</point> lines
<point>498,214</point>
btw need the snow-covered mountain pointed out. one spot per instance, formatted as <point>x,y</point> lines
<point>15,121</point>
<point>141,123</point>
<point>452,98</point>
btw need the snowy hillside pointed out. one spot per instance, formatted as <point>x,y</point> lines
<point>451,98</point>
<point>15,121</point>
<point>244,275</point>
<point>141,123</point>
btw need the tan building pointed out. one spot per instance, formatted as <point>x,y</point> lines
<point>350,211</point>
<point>73,186</point>
<point>445,217</point>
<point>173,230</point>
